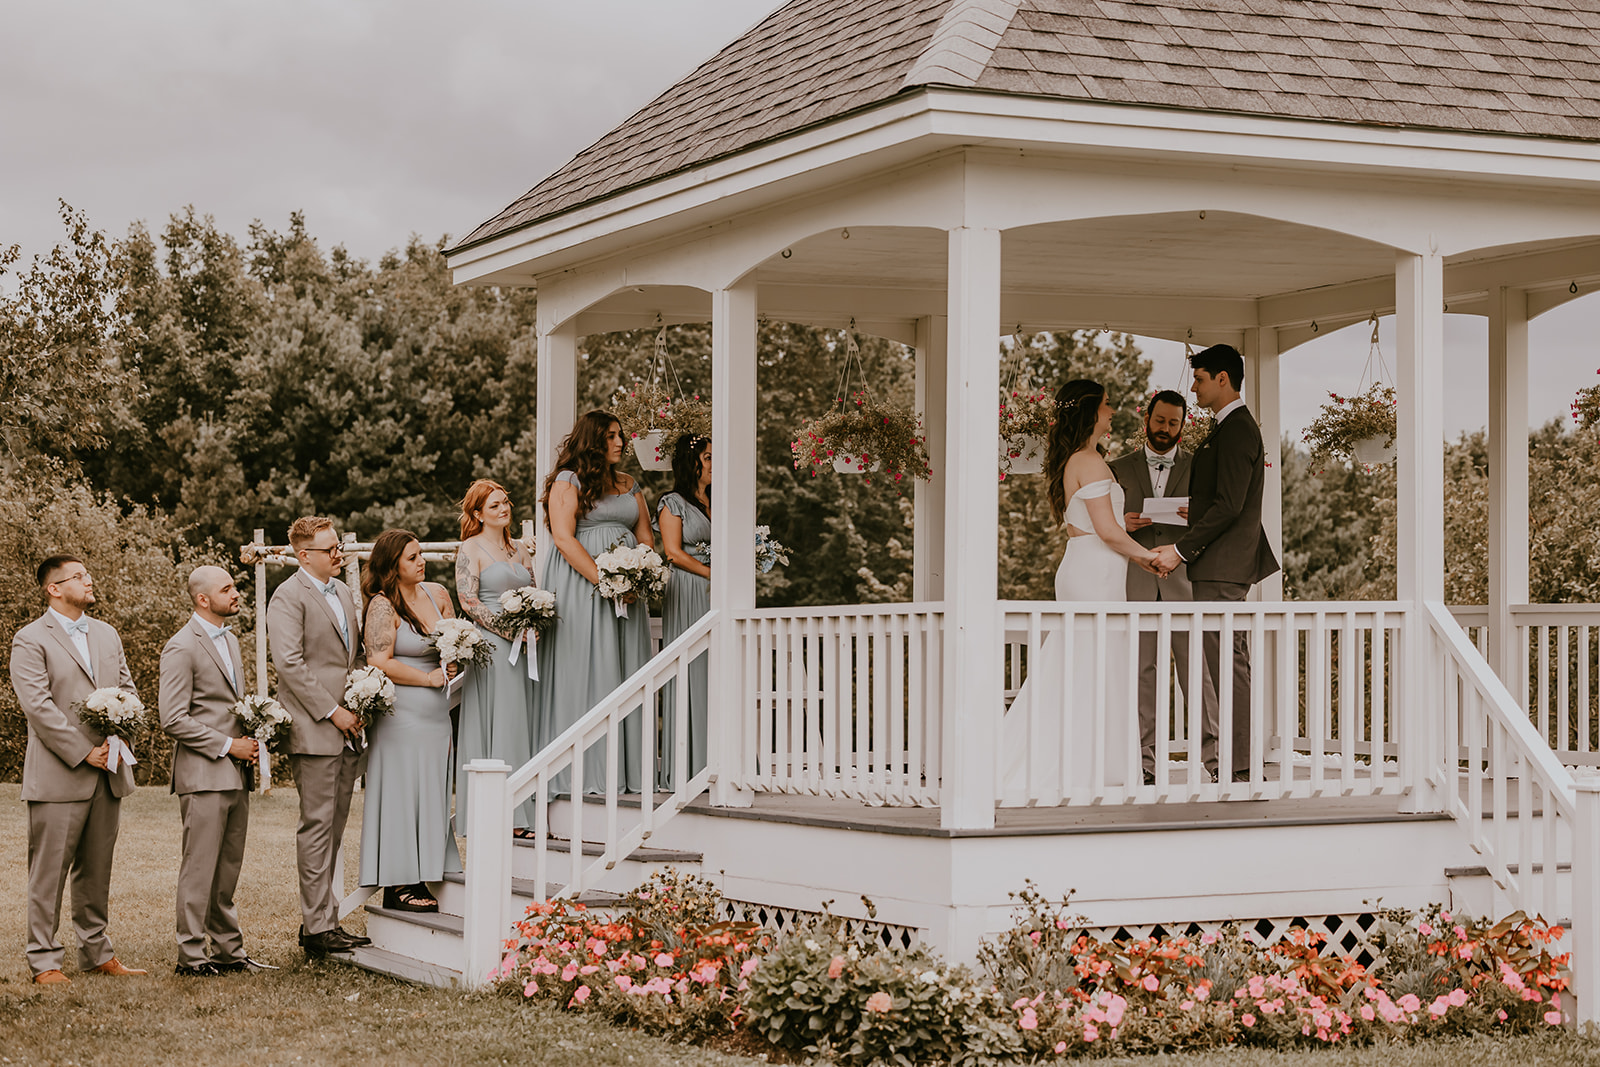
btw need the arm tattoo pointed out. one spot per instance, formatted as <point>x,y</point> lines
<point>467,589</point>
<point>441,600</point>
<point>381,626</point>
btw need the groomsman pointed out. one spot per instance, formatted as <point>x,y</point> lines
<point>1226,546</point>
<point>202,677</point>
<point>1160,469</point>
<point>315,638</point>
<point>74,802</point>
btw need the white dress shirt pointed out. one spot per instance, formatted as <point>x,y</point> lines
<point>1160,467</point>
<point>219,640</point>
<point>78,631</point>
<point>1228,410</point>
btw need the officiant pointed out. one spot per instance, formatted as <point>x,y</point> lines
<point>1159,471</point>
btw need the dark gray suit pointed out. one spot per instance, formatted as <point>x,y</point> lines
<point>1227,548</point>
<point>197,696</point>
<point>1133,474</point>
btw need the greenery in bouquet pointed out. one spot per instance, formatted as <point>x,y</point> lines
<point>626,572</point>
<point>459,641</point>
<point>528,608</point>
<point>113,712</point>
<point>644,407</point>
<point>1348,419</point>
<point>266,720</point>
<point>770,552</point>
<point>881,438</point>
<point>368,694</point>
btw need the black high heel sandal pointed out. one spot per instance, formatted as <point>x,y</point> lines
<point>413,898</point>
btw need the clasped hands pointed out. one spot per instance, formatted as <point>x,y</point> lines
<point>1163,560</point>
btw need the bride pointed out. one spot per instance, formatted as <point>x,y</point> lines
<point>1094,568</point>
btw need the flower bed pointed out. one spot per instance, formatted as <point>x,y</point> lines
<point>1044,988</point>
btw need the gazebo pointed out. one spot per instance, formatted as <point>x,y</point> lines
<point>1248,171</point>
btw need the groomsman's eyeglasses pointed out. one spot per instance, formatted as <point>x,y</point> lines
<point>336,550</point>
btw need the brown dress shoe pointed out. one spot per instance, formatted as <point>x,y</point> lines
<point>114,967</point>
<point>50,978</point>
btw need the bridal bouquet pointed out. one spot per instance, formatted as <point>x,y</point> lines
<point>528,608</point>
<point>368,693</point>
<point>458,641</point>
<point>624,572</point>
<point>770,553</point>
<point>264,719</point>
<point>119,717</point>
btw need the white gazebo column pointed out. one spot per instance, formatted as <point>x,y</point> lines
<point>733,523</point>
<point>928,539</point>
<point>1508,482</point>
<point>972,623</point>
<point>1265,399</point>
<point>1419,551</point>
<point>555,404</point>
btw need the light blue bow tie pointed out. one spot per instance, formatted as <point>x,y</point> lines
<point>217,631</point>
<point>1161,464</point>
<point>77,626</point>
<point>323,589</point>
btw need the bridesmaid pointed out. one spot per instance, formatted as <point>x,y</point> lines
<point>685,518</point>
<point>405,829</point>
<point>496,701</point>
<point>590,506</point>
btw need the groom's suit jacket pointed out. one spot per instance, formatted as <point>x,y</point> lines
<point>49,678</point>
<point>1133,474</point>
<point>312,660</point>
<point>197,698</point>
<point>1225,541</point>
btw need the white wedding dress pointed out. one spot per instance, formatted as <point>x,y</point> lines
<point>1090,571</point>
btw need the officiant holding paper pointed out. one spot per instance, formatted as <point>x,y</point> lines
<point>1155,480</point>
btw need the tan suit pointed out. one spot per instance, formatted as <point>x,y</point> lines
<point>313,660</point>
<point>198,692</point>
<point>73,807</point>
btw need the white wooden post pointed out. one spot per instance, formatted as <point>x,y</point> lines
<point>485,920</point>
<point>973,633</point>
<point>733,521</point>
<point>928,540</point>
<point>1264,396</point>
<point>1419,557</point>
<point>1584,936</point>
<point>555,404</point>
<point>264,777</point>
<point>1508,483</point>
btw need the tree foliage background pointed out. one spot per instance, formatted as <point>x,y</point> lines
<point>164,394</point>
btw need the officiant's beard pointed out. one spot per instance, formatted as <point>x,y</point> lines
<point>1160,442</point>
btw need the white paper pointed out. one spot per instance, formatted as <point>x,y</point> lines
<point>1164,510</point>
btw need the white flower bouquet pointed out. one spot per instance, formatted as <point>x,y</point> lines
<point>638,571</point>
<point>368,693</point>
<point>528,608</point>
<point>769,552</point>
<point>119,717</point>
<point>264,719</point>
<point>458,641</point>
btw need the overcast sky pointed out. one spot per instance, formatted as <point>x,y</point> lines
<point>383,119</point>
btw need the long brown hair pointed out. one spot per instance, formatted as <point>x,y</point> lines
<point>478,494</point>
<point>382,574</point>
<point>1077,414</point>
<point>583,452</point>
<point>688,464</point>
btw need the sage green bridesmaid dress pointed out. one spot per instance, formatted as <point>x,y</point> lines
<point>497,700</point>
<point>688,597</point>
<point>590,650</point>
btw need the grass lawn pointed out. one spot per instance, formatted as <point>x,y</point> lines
<point>334,1013</point>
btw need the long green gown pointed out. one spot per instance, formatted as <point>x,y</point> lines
<point>590,651</point>
<point>688,597</point>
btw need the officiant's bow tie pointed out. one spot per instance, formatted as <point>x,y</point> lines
<point>1161,464</point>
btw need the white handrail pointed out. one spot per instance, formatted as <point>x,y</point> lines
<point>495,794</point>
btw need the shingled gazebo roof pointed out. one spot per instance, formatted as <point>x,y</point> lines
<point>1523,67</point>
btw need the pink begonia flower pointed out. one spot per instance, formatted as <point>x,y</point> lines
<point>615,965</point>
<point>663,959</point>
<point>1029,1020</point>
<point>588,968</point>
<point>1033,935</point>
<point>1465,952</point>
<point>1150,982</point>
<point>1061,1046</point>
<point>531,988</point>
<point>1115,1008</point>
<point>580,995</point>
<point>1461,932</point>
<point>1209,939</point>
<point>1553,1018</point>
<point>598,947</point>
<point>624,983</point>
<point>1425,929</point>
<point>1458,997</point>
<point>1409,1002</point>
<point>1061,924</point>
<point>570,972</point>
<point>880,1002</point>
<point>1202,992</point>
<point>1247,1019</point>
<point>748,968</point>
<point>638,963</point>
<point>836,967</point>
<point>1187,1005</point>
<point>1501,1015</point>
<point>1367,1013</point>
<point>1090,1033</point>
<point>1444,916</point>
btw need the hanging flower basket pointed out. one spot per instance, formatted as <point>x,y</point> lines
<point>865,437</point>
<point>1354,428</point>
<point>654,422</point>
<point>1025,421</point>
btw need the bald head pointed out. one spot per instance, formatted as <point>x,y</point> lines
<point>214,594</point>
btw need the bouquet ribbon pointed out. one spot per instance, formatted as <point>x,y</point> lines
<point>533,660</point>
<point>621,606</point>
<point>118,753</point>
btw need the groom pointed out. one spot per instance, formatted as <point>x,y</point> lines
<point>1226,547</point>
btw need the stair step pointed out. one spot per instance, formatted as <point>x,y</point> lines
<point>393,964</point>
<point>642,854</point>
<point>523,887</point>
<point>448,924</point>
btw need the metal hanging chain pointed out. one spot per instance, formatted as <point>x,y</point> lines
<point>1369,375</point>
<point>1017,378</point>
<point>661,364</point>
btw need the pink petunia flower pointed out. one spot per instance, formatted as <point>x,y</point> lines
<point>1150,982</point>
<point>1553,1018</point>
<point>531,988</point>
<point>836,967</point>
<point>1247,1019</point>
<point>1029,1020</point>
<point>879,1002</point>
<point>1090,1033</point>
<point>580,995</point>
